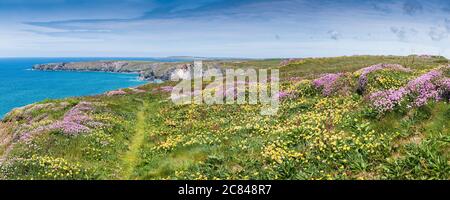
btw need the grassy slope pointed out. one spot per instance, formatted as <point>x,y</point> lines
<point>311,138</point>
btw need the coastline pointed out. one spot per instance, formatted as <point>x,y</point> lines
<point>147,70</point>
<point>136,78</point>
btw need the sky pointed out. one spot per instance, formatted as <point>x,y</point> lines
<point>223,28</point>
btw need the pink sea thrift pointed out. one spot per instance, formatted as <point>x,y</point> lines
<point>363,78</point>
<point>115,92</point>
<point>327,83</point>
<point>69,127</point>
<point>424,88</point>
<point>445,88</point>
<point>429,86</point>
<point>74,122</point>
<point>386,100</point>
<point>281,95</point>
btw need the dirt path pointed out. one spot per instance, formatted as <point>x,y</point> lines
<point>131,157</point>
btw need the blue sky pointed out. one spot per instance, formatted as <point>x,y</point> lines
<point>223,28</point>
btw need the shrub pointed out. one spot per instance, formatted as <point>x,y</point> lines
<point>305,88</point>
<point>330,84</point>
<point>429,86</point>
<point>386,79</point>
<point>363,79</point>
<point>424,88</point>
<point>387,100</point>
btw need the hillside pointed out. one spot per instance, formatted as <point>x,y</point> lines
<point>360,117</point>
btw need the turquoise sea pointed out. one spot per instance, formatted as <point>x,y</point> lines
<point>20,86</point>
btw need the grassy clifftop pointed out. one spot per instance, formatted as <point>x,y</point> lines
<point>340,118</point>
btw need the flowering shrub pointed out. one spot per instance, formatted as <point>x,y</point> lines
<point>74,122</point>
<point>386,100</point>
<point>327,83</point>
<point>429,86</point>
<point>424,88</point>
<point>386,79</point>
<point>363,74</point>
<point>304,88</point>
<point>282,95</point>
<point>444,86</point>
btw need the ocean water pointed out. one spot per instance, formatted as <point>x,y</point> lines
<point>20,86</point>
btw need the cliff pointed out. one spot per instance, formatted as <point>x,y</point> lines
<point>147,70</point>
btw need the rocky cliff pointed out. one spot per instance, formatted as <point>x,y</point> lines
<point>147,70</point>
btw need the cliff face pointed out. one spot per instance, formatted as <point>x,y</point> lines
<point>107,66</point>
<point>147,70</point>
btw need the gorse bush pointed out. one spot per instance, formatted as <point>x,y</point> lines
<point>365,74</point>
<point>386,79</point>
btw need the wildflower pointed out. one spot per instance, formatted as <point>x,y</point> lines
<point>115,92</point>
<point>429,86</point>
<point>423,88</point>
<point>386,100</point>
<point>74,122</point>
<point>327,83</point>
<point>444,85</point>
<point>283,95</point>
<point>363,79</point>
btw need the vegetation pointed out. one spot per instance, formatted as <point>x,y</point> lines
<point>334,134</point>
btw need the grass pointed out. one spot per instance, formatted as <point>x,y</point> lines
<point>311,137</point>
<point>129,160</point>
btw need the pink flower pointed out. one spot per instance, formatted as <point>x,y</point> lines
<point>445,88</point>
<point>327,83</point>
<point>282,95</point>
<point>74,122</point>
<point>115,92</point>
<point>384,101</point>
<point>429,86</point>
<point>423,88</point>
<point>363,79</point>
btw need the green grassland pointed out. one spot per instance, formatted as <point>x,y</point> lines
<point>145,136</point>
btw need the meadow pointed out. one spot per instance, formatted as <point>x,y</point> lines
<point>357,117</point>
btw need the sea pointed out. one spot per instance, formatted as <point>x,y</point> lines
<point>20,85</point>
